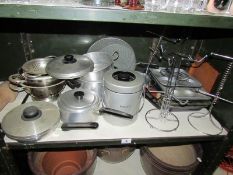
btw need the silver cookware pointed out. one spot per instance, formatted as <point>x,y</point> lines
<point>102,63</point>
<point>94,80</point>
<point>69,66</point>
<point>34,79</point>
<point>33,73</point>
<point>123,92</point>
<point>45,93</point>
<point>30,121</point>
<point>81,108</point>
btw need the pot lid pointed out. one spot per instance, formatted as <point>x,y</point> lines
<point>30,121</point>
<point>101,60</point>
<point>123,81</point>
<point>69,66</point>
<point>77,99</point>
<point>36,66</point>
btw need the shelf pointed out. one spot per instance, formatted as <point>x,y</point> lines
<point>116,15</point>
<point>138,133</point>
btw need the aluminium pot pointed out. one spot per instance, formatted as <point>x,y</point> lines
<point>123,92</point>
<point>115,155</point>
<point>78,106</point>
<point>44,93</point>
<point>80,109</point>
<point>94,80</point>
<point>102,63</point>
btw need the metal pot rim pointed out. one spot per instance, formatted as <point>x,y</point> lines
<point>34,87</point>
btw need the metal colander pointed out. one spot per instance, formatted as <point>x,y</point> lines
<point>36,66</point>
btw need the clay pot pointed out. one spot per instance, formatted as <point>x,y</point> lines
<point>115,155</point>
<point>63,163</point>
<point>172,160</point>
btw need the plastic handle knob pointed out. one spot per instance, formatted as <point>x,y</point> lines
<point>31,112</point>
<point>69,59</point>
<point>79,95</point>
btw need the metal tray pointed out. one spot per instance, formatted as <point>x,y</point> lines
<point>161,74</point>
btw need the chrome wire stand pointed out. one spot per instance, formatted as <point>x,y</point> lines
<point>166,121</point>
<point>199,115</point>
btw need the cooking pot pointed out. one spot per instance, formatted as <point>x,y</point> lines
<point>102,63</point>
<point>94,80</point>
<point>123,92</point>
<point>33,73</point>
<point>34,79</point>
<point>115,155</point>
<point>45,93</point>
<point>80,108</point>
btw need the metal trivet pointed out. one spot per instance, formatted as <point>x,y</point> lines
<point>198,115</point>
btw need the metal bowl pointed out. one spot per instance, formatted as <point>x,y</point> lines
<point>33,73</point>
<point>45,93</point>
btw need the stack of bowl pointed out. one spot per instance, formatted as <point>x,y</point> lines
<point>33,78</point>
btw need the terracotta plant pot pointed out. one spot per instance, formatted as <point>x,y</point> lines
<point>63,163</point>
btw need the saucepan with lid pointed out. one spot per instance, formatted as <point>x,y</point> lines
<point>80,109</point>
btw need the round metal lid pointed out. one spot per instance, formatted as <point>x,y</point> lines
<point>101,60</point>
<point>69,66</point>
<point>30,121</point>
<point>36,66</point>
<point>121,52</point>
<point>77,99</point>
<point>123,81</point>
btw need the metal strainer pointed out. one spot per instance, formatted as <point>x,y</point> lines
<point>37,66</point>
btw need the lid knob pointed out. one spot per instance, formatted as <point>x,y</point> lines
<point>79,95</point>
<point>31,112</point>
<point>123,76</point>
<point>69,59</point>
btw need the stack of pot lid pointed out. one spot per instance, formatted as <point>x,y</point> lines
<point>122,81</point>
<point>30,121</point>
<point>69,66</point>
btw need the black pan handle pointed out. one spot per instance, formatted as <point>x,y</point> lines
<point>72,126</point>
<point>115,112</point>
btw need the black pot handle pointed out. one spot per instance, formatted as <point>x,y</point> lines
<point>72,126</point>
<point>115,112</point>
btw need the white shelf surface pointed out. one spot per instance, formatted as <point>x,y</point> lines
<point>140,129</point>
